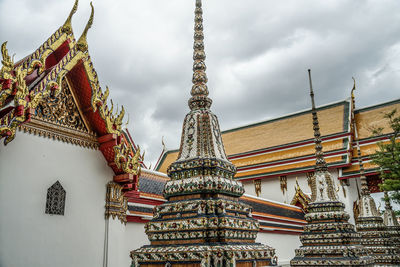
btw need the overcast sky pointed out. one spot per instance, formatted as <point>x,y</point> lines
<point>258,53</point>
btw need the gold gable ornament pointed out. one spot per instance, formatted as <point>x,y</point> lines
<point>283,183</point>
<point>257,187</point>
<point>300,199</point>
<point>59,117</point>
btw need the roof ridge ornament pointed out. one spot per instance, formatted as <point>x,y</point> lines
<point>82,42</point>
<point>67,27</point>
<point>199,90</point>
<point>353,99</point>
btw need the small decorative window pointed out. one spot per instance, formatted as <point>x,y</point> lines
<point>55,202</point>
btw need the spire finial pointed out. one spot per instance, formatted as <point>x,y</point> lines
<point>67,27</point>
<point>199,90</point>
<point>6,61</point>
<point>82,42</point>
<point>320,161</point>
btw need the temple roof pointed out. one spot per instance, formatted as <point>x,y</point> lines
<point>287,129</point>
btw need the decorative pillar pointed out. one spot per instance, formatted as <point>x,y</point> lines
<point>116,203</point>
<point>257,187</point>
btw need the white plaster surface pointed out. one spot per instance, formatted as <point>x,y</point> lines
<point>29,165</point>
<point>284,245</point>
<point>135,237</point>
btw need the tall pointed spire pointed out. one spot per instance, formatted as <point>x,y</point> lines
<point>328,237</point>
<point>320,160</point>
<point>322,185</point>
<point>202,223</point>
<point>199,90</point>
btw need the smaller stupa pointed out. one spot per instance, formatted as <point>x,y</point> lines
<point>390,220</point>
<point>375,236</point>
<point>328,238</point>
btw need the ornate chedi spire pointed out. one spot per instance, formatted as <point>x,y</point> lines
<point>328,238</point>
<point>375,236</point>
<point>202,223</point>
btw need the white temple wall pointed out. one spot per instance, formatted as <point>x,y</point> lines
<point>284,245</point>
<point>29,165</point>
<point>352,195</point>
<point>271,188</point>
<point>135,237</point>
<point>117,254</point>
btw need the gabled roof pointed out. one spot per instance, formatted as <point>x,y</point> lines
<point>63,62</point>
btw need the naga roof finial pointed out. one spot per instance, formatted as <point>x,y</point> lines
<point>67,27</point>
<point>320,161</point>
<point>82,42</point>
<point>6,61</point>
<point>353,99</point>
<point>199,90</point>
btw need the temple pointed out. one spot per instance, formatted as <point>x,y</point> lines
<point>74,190</point>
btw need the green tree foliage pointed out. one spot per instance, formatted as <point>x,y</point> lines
<point>387,157</point>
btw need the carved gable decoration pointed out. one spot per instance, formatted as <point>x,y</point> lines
<point>55,202</point>
<point>60,118</point>
<point>61,110</point>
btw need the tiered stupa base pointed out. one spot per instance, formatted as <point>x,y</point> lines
<point>377,241</point>
<point>203,229</point>
<point>328,239</point>
<point>392,226</point>
<point>394,232</point>
<point>216,255</point>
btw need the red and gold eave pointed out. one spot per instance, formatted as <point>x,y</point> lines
<point>25,83</point>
